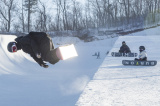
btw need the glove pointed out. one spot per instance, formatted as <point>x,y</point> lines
<point>136,59</point>
<point>44,65</point>
<point>38,55</point>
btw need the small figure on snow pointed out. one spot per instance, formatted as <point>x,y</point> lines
<point>124,48</point>
<point>98,56</point>
<point>95,54</point>
<point>38,44</point>
<point>142,55</point>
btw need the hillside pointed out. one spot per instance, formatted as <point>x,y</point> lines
<point>83,80</point>
<point>117,85</point>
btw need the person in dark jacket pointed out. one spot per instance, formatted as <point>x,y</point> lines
<point>39,45</point>
<point>124,48</point>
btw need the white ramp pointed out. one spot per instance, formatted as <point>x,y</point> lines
<point>118,85</point>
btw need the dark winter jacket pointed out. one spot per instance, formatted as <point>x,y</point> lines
<point>124,49</point>
<point>38,42</point>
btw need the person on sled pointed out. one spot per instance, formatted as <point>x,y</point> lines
<point>38,45</point>
<point>124,48</point>
<point>142,55</point>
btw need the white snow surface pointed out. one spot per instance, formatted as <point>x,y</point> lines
<point>117,85</point>
<point>24,83</point>
<point>83,80</point>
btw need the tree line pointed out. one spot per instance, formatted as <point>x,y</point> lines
<point>34,15</point>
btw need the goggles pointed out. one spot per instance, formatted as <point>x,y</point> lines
<point>141,49</point>
<point>14,48</point>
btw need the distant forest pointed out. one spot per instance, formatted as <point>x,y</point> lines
<point>34,15</point>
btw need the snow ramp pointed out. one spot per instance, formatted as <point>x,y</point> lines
<point>14,63</point>
<point>117,85</point>
<point>24,83</point>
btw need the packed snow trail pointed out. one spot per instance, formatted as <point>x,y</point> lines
<point>117,85</point>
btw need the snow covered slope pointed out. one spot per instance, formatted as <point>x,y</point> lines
<point>117,85</point>
<point>24,83</point>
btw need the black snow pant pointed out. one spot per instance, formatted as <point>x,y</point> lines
<point>51,57</point>
<point>50,52</point>
<point>144,59</point>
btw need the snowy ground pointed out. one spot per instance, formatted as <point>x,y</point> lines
<point>24,83</point>
<point>117,85</point>
<point>83,80</point>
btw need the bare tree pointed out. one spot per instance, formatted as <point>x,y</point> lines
<point>88,17</point>
<point>76,19</point>
<point>58,14</point>
<point>158,3</point>
<point>41,23</point>
<point>21,18</point>
<point>64,7</point>
<point>126,4</point>
<point>6,9</point>
<point>31,6</point>
<point>63,12</point>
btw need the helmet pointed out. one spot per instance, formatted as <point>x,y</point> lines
<point>141,48</point>
<point>123,43</point>
<point>12,47</point>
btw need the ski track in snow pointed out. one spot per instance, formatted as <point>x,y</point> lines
<point>117,85</point>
